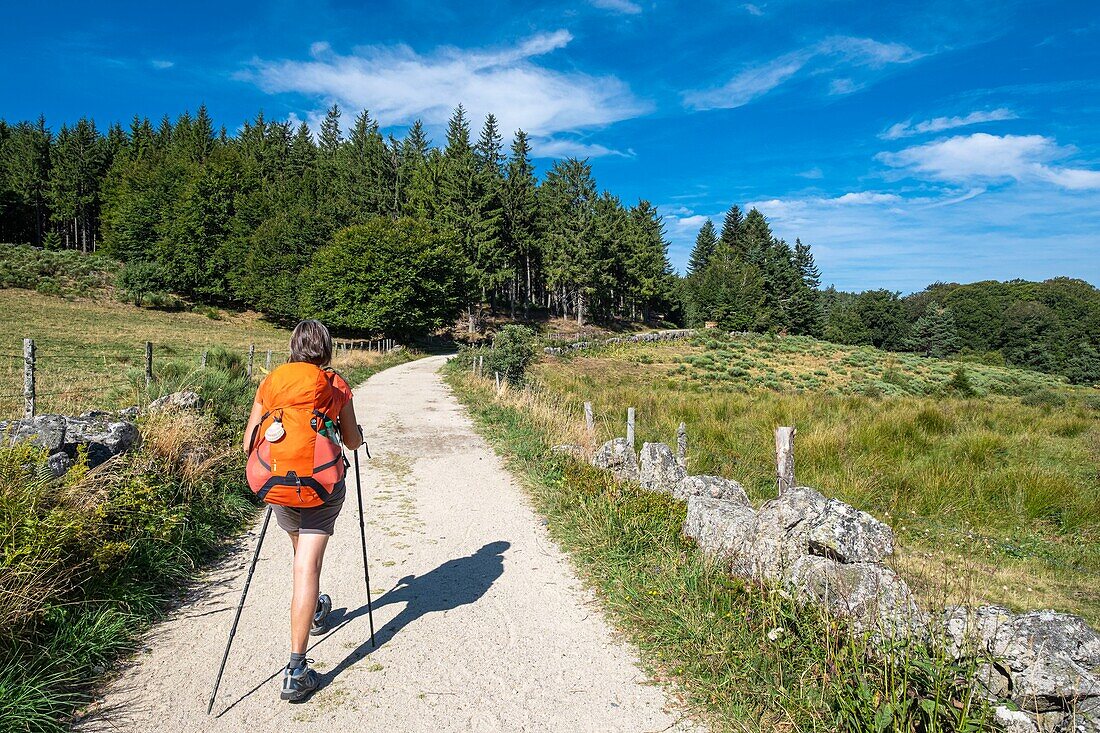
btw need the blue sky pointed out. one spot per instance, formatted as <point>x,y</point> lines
<point>907,142</point>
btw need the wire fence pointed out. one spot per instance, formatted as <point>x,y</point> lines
<point>65,378</point>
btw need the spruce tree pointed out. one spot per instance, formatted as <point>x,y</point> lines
<point>706,242</point>
<point>520,214</point>
<point>731,238</point>
<point>807,268</point>
<point>934,333</point>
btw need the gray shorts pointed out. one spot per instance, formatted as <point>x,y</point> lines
<point>313,520</point>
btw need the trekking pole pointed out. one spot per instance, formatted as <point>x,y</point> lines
<point>363,535</point>
<point>240,605</point>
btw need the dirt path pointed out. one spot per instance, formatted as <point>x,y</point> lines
<point>482,625</point>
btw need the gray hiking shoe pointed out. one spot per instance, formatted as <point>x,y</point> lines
<point>299,683</point>
<point>320,616</point>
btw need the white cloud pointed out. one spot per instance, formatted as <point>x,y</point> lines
<point>619,6</point>
<point>814,173</point>
<point>752,9</point>
<point>861,198</point>
<point>982,157</point>
<point>161,64</point>
<point>829,54</point>
<point>398,85</point>
<point>565,148</point>
<point>1028,232</point>
<point>939,124</point>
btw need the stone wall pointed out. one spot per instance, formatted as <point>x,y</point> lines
<point>635,339</point>
<point>1041,669</point>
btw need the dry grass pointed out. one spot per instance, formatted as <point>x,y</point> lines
<point>993,500</point>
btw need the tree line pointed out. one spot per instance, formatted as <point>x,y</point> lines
<point>238,218</point>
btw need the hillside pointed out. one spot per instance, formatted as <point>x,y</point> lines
<point>987,473</point>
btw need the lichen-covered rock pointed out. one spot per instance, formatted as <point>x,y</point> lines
<point>714,487</point>
<point>1084,718</point>
<point>101,434</point>
<point>1013,721</point>
<point>871,596</point>
<point>659,470</point>
<point>1064,634</point>
<point>781,532</point>
<point>969,632</point>
<point>186,400</point>
<point>721,528</point>
<point>129,413</point>
<point>44,431</point>
<point>618,457</point>
<point>842,532</point>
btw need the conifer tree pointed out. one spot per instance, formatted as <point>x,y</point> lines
<point>706,242</point>
<point>520,207</point>
<point>567,206</point>
<point>934,333</point>
<point>804,263</point>
<point>732,235</point>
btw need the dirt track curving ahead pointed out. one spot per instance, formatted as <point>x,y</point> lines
<point>481,623</point>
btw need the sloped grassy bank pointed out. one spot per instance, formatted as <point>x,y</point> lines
<point>89,561</point>
<point>743,657</point>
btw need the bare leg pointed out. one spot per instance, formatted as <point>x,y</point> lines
<point>309,551</point>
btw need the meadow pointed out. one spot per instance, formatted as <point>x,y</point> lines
<point>89,561</point>
<point>987,474</point>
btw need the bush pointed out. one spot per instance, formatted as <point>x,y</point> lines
<point>138,279</point>
<point>54,273</point>
<point>514,348</point>
<point>1044,398</point>
<point>960,384</point>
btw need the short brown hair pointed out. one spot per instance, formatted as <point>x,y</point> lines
<point>311,342</point>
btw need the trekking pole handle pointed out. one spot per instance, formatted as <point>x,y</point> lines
<point>363,440</point>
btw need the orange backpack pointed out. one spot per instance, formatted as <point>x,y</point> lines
<point>305,465</point>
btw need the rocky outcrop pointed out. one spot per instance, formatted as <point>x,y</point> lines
<point>721,528</point>
<point>185,400</point>
<point>659,469</point>
<point>714,487</point>
<point>844,533</point>
<point>101,435</point>
<point>618,457</point>
<point>871,596</point>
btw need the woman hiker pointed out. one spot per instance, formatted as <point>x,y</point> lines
<point>303,410</point>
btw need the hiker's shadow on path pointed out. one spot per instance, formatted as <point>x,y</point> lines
<point>454,583</point>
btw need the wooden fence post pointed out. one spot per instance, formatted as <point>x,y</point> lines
<point>630,427</point>
<point>28,378</point>
<point>202,362</point>
<point>148,363</point>
<point>682,445</point>
<point>268,367</point>
<point>496,376</point>
<point>251,358</point>
<point>784,458</point>
<point>589,420</point>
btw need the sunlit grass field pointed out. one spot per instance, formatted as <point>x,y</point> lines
<point>91,352</point>
<point>988,476</point>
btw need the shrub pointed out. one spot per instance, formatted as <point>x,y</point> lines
<point>1044,398</point>
<point>138,280</point>
<point>514,348</point>
<point>960,384</point>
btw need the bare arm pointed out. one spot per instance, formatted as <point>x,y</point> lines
<point>253,421</point>
<point>349,427</point>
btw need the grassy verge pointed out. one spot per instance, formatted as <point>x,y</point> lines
<point>993,493</point>
<point>88,562</point>
<point>744,658</point>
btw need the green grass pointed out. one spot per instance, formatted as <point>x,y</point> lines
<point>88,562</point>
<point>994,498</point>
<point>742,657</point>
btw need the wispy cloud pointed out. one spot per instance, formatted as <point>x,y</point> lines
<point>752,9</point>
<point>982,157</point>
<point>398,85</point>
<point>161,64</point>
<point>812,173</point>
<point>566,148</point>
<point>619,6</point>
<point>828,55</point>
<point>939,124</point>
